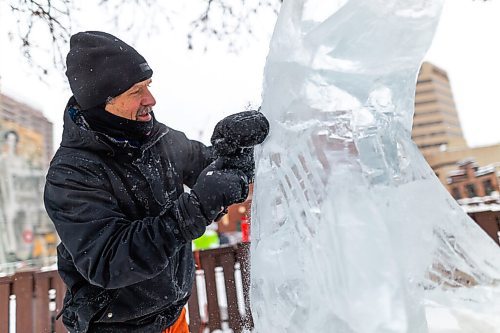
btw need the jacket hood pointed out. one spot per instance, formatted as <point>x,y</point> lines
<point>78,134</point>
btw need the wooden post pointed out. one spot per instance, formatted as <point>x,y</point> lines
<point>23,289</point>
<point>208,263</point>
<point>228,261</point>
<point>58,284</point>
<point>194,310</point>
<point>42,314</point>
<point>5,292</point>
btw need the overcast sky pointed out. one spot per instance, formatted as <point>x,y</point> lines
<point>194,89</point>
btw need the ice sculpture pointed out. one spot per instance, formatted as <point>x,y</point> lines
<point>352,231</point>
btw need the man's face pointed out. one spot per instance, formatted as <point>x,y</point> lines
<point>134,104</point>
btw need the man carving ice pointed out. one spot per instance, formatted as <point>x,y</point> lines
<point>115,193</point>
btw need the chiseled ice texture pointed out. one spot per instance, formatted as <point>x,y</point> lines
<point>352,232</point>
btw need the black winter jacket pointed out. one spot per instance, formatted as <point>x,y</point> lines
<point>121,255</point>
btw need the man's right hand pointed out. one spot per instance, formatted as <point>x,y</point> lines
<point>214,191</point>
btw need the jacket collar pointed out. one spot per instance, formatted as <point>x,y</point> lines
<point>77,134</point>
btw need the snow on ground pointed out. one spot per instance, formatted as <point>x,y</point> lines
<point>473,310</point>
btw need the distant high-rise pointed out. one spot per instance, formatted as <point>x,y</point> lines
<point>32,127</point>
<point>436,126</point>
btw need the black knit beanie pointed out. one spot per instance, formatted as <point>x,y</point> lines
<point>100,66</point>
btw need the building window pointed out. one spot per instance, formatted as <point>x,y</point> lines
<point>428,123</point>
<point>488,186</point>
<point>429,134</point>
<point>471,190</point>
<point>424,81</point>
<point>441,145</point>
<point>456,193</point>
<point>426,101</point>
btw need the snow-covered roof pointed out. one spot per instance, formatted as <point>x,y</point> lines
<point>485,170</point>
<point>478,172</point>
<point>456,173</point>
<point>481,208</point>
<point>467,161</point>
<point>481,204</point>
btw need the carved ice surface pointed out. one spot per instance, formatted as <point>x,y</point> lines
<point>352,231</point>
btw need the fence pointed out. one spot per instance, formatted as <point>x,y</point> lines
<point>30,300</point>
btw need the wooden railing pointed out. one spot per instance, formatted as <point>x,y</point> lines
<point>30,300</point>
<point>227,302</point>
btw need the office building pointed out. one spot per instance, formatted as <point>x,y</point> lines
<point>436,126</point>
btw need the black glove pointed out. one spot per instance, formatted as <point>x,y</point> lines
<point>214,191</point>
<point>234,138</point>
<point>187,211</point>
<point>243,161</point>
<point>217,188</point>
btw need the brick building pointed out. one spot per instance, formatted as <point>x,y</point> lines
<point>485,211</point>
<point>34,130</point>
<point>470,180</point>
<point>477,190</point>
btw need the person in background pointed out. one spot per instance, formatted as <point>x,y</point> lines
<point>209,240</point>
<point>115,194</point>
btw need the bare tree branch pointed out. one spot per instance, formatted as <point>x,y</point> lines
<point>225,20</point>
<point>228,21</point>
<point>53,16</point>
